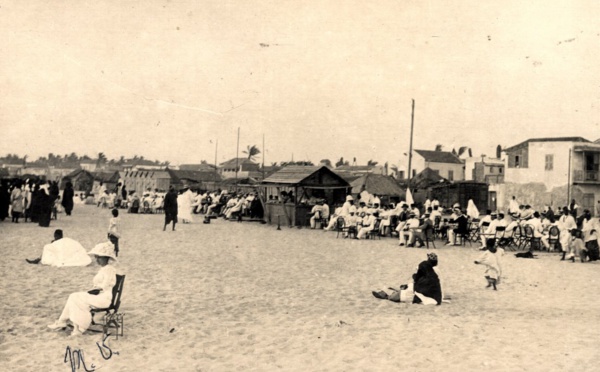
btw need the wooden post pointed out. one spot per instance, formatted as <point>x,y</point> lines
<point>412,122</point>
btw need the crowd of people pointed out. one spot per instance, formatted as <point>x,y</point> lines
<point>34,201</point>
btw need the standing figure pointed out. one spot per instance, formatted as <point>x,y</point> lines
<point>67,198</point>
<point>170,207</point>
<point>16,202</point>
<point>114,230</point>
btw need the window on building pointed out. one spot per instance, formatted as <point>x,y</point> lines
<point>549,162</point>
<point>491,169</point>
<point>450,175</point>
<point>500,170</point>
<point>517,161</point>
<point>401,175</point>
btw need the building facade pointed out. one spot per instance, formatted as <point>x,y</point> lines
<point>446,164</point>
<point>552,171</point>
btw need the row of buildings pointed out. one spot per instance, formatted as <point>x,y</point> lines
<point>538,171</point>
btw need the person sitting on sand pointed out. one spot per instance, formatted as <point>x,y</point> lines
<point>77,308</point>
<point>490,259</point>
<point>62,252</point>
<point>425,289</point>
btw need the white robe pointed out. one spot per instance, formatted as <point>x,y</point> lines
<point>65,252</point>
<point>77,308</point>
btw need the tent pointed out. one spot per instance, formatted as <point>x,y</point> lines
<point>385,187</point>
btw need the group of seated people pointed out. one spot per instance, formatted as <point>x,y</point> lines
<point>221,203</point>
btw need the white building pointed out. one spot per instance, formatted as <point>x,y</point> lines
<point>552,171</point>
<point>445,163</point>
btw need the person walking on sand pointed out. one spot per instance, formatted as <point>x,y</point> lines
<point>114,230</point>
<point>170,207</point>
<point>77,308</point>
<point>490,258</point>
<point>67,198</point>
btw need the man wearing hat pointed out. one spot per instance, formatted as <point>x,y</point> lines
<point>346,207</point>
<point>351,222</point>
<point>462,226</point>
<point>418,233</point>
<point>402,218</point>
<point>369,224</point>
<point>411,224</point>
<point>77,308</point>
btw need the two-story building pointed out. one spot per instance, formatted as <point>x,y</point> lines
<point>552,171</point>
<point>444,163</point>
<point>484,169</point>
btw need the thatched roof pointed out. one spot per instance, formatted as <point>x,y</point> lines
<point>377,184</point>
<point>426,178</point>
<point>110,177</point>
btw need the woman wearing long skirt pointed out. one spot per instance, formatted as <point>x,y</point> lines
<point>67,198</point>
<point>16,202</point>
<point>77,308</point>
<point>46,202</point>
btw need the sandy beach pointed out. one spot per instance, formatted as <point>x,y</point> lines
<point>234,296</point>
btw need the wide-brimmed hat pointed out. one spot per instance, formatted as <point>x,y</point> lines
<point>349,198</point>
<point>106,249</point>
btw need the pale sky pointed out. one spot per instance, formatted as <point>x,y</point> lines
<point>166,79</point>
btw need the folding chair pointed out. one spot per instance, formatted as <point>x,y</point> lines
<point>112,317</point>
<point>500,239</point>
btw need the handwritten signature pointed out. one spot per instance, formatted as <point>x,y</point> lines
<point>76,358</point>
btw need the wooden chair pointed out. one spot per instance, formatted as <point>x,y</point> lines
<point>429,236</point>
<point>553,237</point>
<point>530,239</point>
<point>500,239</point>
<point>375,232</point>
<point>112,317</point>
<point>340,226</point>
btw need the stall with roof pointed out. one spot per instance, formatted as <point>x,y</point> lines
<point>385,187</point>
<point>289,194</point>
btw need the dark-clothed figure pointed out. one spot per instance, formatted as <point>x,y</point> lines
<point>67,198</point>
<point>46,203</point>
<point>4,200</point>
<point>170,207</point>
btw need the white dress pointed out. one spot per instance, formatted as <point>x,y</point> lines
<point>184,207</point>
<point>77,308</point>
<point>65,252</point>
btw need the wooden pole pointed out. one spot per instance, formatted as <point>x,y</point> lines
<point>569,180</point>
<point>263,158</point>
<point>216,169</point>
<point>237,158</point>
<point>412,123</point>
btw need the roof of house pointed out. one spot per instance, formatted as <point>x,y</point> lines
<point>296,174</point>
<point>197,167</point>
<point>427,177</point>
<point>197,176</point>
<point>234,161</point>
<point>79,171</point>
<point>439,156</point>
<point>547,139</point>
<point>106,176</point>
<point>355,168</point>
<point>378,184</point>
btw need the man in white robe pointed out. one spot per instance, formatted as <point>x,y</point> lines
<point>63,252</point>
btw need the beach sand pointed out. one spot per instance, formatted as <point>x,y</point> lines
<point>234,296</point>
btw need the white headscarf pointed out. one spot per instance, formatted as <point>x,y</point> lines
<point>472,210</point>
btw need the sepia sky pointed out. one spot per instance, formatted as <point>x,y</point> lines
<point>320,79</point>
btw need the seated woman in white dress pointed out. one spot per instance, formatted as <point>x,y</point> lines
<point>62,252</point>
<point>77,308</point>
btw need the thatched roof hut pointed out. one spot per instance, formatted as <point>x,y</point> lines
<point>385,187</point>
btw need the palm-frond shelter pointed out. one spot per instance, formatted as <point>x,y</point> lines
<point>307,184</point>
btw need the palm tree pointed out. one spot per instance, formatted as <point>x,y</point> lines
<point>251,151</point>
